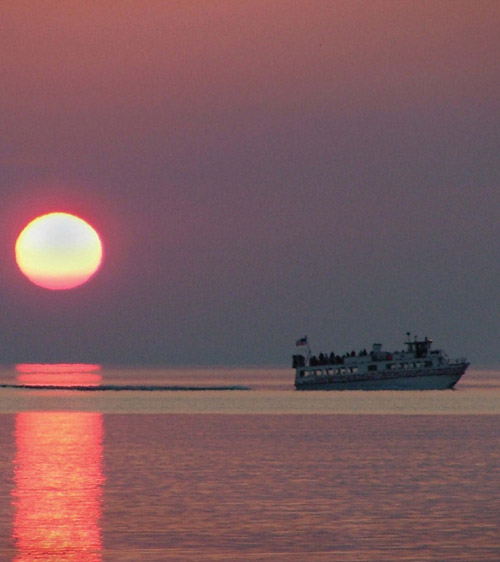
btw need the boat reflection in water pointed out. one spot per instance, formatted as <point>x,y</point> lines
<point>58,478</point>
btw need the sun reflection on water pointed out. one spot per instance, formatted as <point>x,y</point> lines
<point>58,486</point>
<point>58,374</point>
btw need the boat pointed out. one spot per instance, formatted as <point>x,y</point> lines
<point>418,367</point>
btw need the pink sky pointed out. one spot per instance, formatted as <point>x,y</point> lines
<point>258,170</point>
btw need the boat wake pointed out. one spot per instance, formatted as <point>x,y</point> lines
<point>119,387</point>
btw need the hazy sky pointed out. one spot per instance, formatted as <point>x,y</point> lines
<point>258,170</point>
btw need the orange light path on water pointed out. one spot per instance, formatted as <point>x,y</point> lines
<point>58,483</point>
<point>60,374</point>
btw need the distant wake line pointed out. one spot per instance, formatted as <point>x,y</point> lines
<point>141,387</point>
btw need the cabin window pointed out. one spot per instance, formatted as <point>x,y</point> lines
<point>372,367</point>
<point>388,366</point>
<point>428,363</point>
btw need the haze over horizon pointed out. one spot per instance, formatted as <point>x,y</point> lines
<point>258,171</point>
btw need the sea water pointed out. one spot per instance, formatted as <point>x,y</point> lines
<point>258,473</point>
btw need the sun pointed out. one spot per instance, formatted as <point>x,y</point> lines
<point>58,251</point>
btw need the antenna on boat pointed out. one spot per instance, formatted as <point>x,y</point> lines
<point>408,342</point>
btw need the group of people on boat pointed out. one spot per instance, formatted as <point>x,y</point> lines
<point>325,359</point>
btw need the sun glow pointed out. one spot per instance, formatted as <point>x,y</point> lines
<point>58,251</point>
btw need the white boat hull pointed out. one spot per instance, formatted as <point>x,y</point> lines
<point>418,379</point>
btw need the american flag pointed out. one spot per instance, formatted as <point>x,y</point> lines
<point>302,341</point>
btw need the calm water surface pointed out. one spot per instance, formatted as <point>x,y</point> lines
<point>259,474</point>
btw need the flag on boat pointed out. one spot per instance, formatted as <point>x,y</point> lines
<point>302,341</point>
